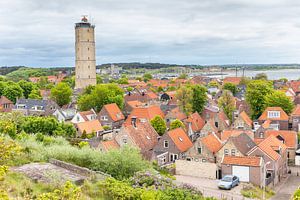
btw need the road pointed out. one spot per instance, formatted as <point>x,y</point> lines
<point>209,188</point>
<point>288,188</point>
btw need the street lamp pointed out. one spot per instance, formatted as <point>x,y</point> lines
<point>265,174</point>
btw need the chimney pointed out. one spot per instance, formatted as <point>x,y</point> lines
<point>133,121</point>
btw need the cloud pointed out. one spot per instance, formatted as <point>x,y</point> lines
<point>41,33</point>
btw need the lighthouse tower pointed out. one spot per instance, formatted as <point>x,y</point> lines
<point>85,63</point>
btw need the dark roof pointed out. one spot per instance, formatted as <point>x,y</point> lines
<point>29,103</point>
<point>243,143</point>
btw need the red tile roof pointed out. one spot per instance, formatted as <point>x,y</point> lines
<point>251,161</point>
<point>114,112</point>
<point>84,114</point>
<point>196,121</point>
<point>176,113</point>
<point>4,100</point>
<point>180,139</point>
<point>234,80</point>
<point>212,142</point>
<point>296,111</point>
<point>290,137</point>
<point>90,126</point>
<point>266,124</point>
<point>110,144</point>
<point>283,115</point>
<point>147,113</point>
<point>268,144</point>
<point>134,104</point>
<point>295,85</point>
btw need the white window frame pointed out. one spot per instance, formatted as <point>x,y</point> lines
<point>166,142</point>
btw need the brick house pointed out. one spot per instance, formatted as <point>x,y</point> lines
<point>279,120</point>
<point>242,122</point>
<point>130,105</point>
<point>174,114</point>
<point>204,149</point>
<point>226,134</point>
<point>106,145</point>
<point>172,146</point>
<point>295,119</point>
<point>194,124</point>
<point>6,105</point>
<point>274,151</point>
<point>145,113</point>
<point>139,134</point>
<point>35,107</point>
<point>111,115</point>
<point>289,138</point>
<point>233,80</point>
<point>247,168</point>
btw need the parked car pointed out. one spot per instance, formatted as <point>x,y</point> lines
<point>228,182</point>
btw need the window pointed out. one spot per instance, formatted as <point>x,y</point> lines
<point>180,139</point>
<point>188,159</point>
<point>104,118</point>
<point>5,106</point>
<point>125,140</point>
<point>226,152</point>
<point>166,144</point>
<point>203,160</point>
<point>88,48</point>
<point>273,114</point>
<point>173,157</point>
<point>199,150</point>
<point>78,119</point>
<point>233,152</point>
<point>216,124</point>
<point>261,135</point>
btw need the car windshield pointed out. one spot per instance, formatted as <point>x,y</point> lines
<point>227,179</point>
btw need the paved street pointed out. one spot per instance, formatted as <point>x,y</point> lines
<point>209,188</point>
<point>288,188</point>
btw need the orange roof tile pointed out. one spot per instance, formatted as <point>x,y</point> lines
<point>234,133</point>
<point>110,144</point>
<point>180,139</point>
<point>295,85</point>
<point>134,104</point>
<point>267,146</point>
<point>251,161</point>
<point>197,121</point>
<point>266,124</point>
<point>246,118</point>
<point>296,111</point>
<point>114,112</point>
<point>90,126</point>
<point>290,137</point>
<point>4,100</point>
<point>176,113</point>
<point>234,80</point>
<point>84,114</point>
<point>212,142</point>
<point>283,115</point>
<point>145,113</point>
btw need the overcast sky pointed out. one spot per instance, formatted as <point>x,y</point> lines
<point>40,33</point>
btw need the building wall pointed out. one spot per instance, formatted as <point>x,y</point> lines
<point>85,64</point>
<point>193,153</point>
<point>196,169</point>
<point>228,145</point>
<point>239,121</point>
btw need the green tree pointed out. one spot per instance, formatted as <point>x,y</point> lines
<point>213,84</point>
<point>70,80</point>
<point>261,76</point>
<point>159,125</point>
<point>12,91</point>
<point>231,87</point>
<point>99,79</point>
<point>102,94</point>
<point>35,94</point>
<point>176,124</point>
<point>2,86</point>
<point>227,103</point>
<point>147,77</point>
<point>199,98</point>
<point>255,96</point>
<point>185,96</point>
<point>61,94</point>
<point>27,87</point>
<point>279,99</point>
<point>183,76</point>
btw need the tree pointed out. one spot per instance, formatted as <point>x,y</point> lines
<point>199,98</point>
<point>255,96</point>
<point>12,91</point>
<point>261,76</point>
<point>176,124</point>
<point>27,87</point>
<point>183,76</point>
<point>227,103</point>
<point>159,125</point>
<point>61,93</point>
<point>279,99</point>
<point>213,84</point>
<point>147,77</point>
<point>102,94</point>
<point>70,81</point>
<point>99,79</point>
<point>185,95</point>
<point>231,87</point>
<point>35,94</point>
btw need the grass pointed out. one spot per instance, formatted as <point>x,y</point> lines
<point>255,192</point>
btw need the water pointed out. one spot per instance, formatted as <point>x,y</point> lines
<point>291,74</point>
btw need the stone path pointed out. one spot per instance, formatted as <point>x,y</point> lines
<point>287,188</point>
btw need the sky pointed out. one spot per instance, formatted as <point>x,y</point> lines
<point>40,33</point>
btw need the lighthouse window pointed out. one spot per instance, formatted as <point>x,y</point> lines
<point>89,76</point>
<point>88,66</point>
<point>88,58</point>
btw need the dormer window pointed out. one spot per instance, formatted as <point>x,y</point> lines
<point>273,114</point>
<point>166,144</point>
